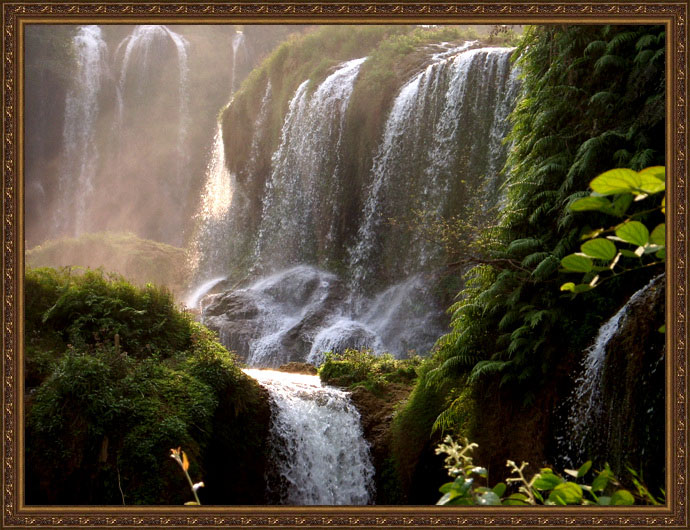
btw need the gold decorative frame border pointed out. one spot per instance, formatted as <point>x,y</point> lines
<point>15,15</point>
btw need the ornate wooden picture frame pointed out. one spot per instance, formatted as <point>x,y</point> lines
<point>16,16</point>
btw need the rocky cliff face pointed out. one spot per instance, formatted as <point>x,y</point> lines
<point>633,389</point>
<point>376,412</point>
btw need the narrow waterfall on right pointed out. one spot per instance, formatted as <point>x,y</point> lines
<point>613,413</point>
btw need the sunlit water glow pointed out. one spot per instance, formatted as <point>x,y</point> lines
<point>319,456</point>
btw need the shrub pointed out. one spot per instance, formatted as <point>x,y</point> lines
<point>353,368</point>
<point>128,376</point>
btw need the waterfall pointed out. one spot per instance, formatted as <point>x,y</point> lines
<point>153,60</point>
<point>442,141</point>
<point>582,433</point>
<point>239,53</point>
<point>222,213</point>
<point>299,313</point>
<point>208,248</point>
<point>319,455</point>
<point>80,149</point>
<point>313,126</point>
<point>192,301</point>
<point>324,227</point>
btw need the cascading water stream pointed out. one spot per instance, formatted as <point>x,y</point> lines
<point>441,143</point>
<point>586,404</point>
<point>318,452</point>
<point>81,151</point>
<point>442,137</point>
<point>239,53</point>
<point>141,44</point>
<point>208,248</point>
<point>313,126</point>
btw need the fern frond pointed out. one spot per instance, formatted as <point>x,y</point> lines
<point>546,268</point>
<point>595,48</point>
<point>609,62</point>
<point>645,41</point>
<point>620,40</point>
<point>485,368</point>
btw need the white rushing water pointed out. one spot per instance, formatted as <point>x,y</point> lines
<point>81,150</point>
<point>299,313</point>
<point>586,404</point>
<point>192,301</point>
<point>312,129</point>
<point>239,55</point>
<point>447,120</point>
<point>140,76</point>
<point>318,452</point>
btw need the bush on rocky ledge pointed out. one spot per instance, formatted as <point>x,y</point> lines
<point>116,376</point>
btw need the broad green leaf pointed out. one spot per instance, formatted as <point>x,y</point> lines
<point>446,487</point>
<point>662,329</point>
<point>616,181</point>
<point>604,501</point>
<point>658,172</point>
<point>499,489</point>
<point>547,480</point>
<point>633,232</point>
<point>444,500</point>
<point>460,501</point>
<point>567,492</point>
<point>658,235</point>
<point>577,263</point>
<point>602,480</point>
<point>591,203</point>
<point>489,498</point>
<point>599,248</point>
<point>517,499</point>
<point>650,184</point>
<point>661,254</point>
<point>622,498</point>
<point>663,205</point>
<point>584,468</point>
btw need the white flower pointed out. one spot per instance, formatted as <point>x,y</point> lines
<point>197,486</point>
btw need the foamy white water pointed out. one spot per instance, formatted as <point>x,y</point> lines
<point>319,456</point>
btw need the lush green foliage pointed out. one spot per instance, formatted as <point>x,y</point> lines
<point>599,256</point>
<point>592,96</point>
<point>546,487</point>
<point>128,377</point>
<point>353,368</point>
